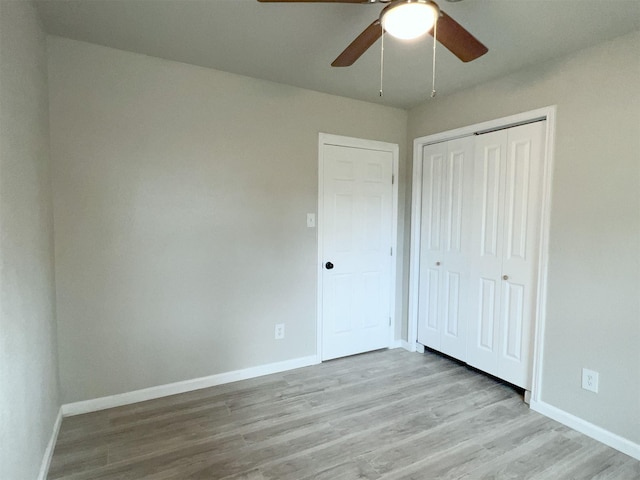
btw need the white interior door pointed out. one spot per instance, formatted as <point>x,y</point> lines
<point>357,220</point>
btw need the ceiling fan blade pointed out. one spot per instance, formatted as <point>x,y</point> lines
<point>314,1</point>
<point>360,45</point>
<point>457,39</point>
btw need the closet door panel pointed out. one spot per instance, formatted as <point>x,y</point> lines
<point>513,309</point>
<point>452,325</point>
<point>453,197</point>
<point>486,254</point>
<point>523,174</point>
<point>429,326</point>
<point>523,191</point>
<point>488,176</point>
<point>432,188</point>
<point>456,233</point>
<point>429,322</point>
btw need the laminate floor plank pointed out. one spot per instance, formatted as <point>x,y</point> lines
<point>384,415</point>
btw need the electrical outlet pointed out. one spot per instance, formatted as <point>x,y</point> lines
<point>279,331</point>
<point>590,380</point>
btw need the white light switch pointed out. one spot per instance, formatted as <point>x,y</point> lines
<point>311,220</point>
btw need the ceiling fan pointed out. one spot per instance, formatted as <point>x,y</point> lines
<point>407,19</point>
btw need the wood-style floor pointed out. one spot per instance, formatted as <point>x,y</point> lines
<point>382,415</point>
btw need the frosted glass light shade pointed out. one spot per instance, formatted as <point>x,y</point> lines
<point>409,20</point>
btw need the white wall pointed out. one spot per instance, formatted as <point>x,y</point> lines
<point>180,198</point>
<point>28,364</point>
<point>593,310</point>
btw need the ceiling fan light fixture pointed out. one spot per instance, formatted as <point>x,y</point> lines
<point>409,19</point>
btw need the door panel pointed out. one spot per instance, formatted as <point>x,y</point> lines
<point>517,203</point>
<point>357,228</point>
<point>453,201</point>
<point>523,187</point>
<point>428,299</point>
<point>343,240</point>
<point>486,244</point>
<point>507,192</point>
<point>445,233</point>
<point>429,324</point>
<point>432,183</point>
<point>513,319</point>
<point>491,160</point>
<point>456,233</point>
<point>487,313</point>
<point>432,300</point>
<point>452,306</point>
<point>342,307</point>
<point>373,218</point>
<point>374,292</point>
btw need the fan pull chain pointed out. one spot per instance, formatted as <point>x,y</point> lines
<point>381,60</point>
<point>435,33</point>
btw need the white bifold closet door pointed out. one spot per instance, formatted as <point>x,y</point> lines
<point>504,251</point>
<point>445,233</point>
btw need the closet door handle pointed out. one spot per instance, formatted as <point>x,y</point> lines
<point>437,264</point>
<point>505,277</point>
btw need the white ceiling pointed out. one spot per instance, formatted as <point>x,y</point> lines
<point>295,43</point>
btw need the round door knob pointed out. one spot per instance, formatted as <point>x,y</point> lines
<point>505,277</point>
<point>328,265</point>
<point>437,264</point>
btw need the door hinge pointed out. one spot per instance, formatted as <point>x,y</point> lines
<point>391,251</point>
<point>393,179</point>
<point>389,321</point>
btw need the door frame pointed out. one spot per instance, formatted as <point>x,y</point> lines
<point>546,113</point>
<point>351,142</point>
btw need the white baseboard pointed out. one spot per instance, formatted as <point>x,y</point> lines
<point>402,344</point>
<point>135,396</point>
<point>597,433</point>
<point>48,453</point>
<point>407,346</point>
